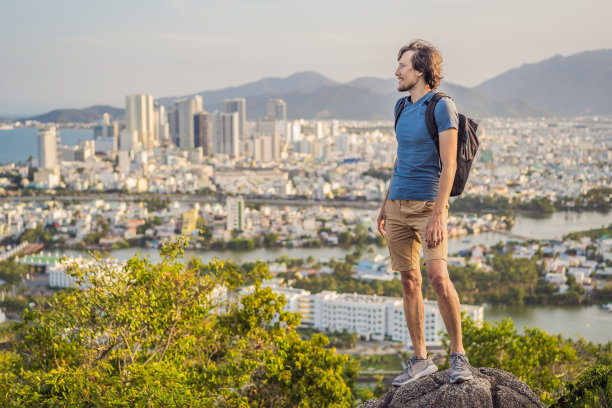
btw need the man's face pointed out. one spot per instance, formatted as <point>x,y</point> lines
<point>406,74</point>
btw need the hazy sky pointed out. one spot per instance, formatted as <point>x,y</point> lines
<point>76,53</point>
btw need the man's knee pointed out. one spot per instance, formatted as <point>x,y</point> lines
<point>411,281</point>
<point>437,273</point>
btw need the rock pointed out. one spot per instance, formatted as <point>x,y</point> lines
<point>490,388</point>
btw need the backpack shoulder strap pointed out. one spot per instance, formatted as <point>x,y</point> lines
<point>430,113</point>
<point>430,117</point>
<point>399,107</point>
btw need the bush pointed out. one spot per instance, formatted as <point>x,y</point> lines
<point>149,335</point>
<point>592,389</point>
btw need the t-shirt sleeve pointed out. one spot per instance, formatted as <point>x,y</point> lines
<point>446,115</point>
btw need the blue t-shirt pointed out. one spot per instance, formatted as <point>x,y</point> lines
<point>417,173</point>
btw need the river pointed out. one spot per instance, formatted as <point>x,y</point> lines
<point>592,323</point>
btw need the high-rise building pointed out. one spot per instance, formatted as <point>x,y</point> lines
<point>237,105</point>
<point>296,131</point>
<point>128,141</point>
<point>47,148</point>
<point>139,117</point>
<point>266,126</point>
<point>225,133</point>
<point>162,133</point>
<point>276,108</point>
<point>267,141</point>
<point>106,128</point>
<point>185,110</point>
<point>203,132</point>
<point>235,213</point>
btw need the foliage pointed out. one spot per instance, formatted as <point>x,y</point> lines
<point>12,272</point>
<point>157,203</point>
<point>541,360</point>
<point>342,339</point>
<point>289,262</point>
<point>511,281</point>
<point>599,198</point>
<point>162,334</point>
<point>594,233</point>
<point>472,203</point>
<point>38,234</point>
<point>538,204</point>
<point>270,239</point>
<point>603,295</point>
<point>241,244</point>
<point>337,283</point>
<point>592,389</point>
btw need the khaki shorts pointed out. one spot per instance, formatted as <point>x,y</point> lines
<point>405,227</point>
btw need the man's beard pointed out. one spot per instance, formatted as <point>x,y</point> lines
<point>405,88</point>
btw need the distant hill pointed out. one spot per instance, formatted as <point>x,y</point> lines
<point>86,115</point>
<point>311,95</point>
<point>301,82</point>
<point>574,85</point>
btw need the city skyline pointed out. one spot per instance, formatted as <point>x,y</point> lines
<point>59,57</point>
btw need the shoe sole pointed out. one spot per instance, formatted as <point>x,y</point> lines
<point>427,371</point>
<point>461,379</point>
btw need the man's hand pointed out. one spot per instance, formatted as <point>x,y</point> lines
<point>434,234</point>
<point>382,217</point>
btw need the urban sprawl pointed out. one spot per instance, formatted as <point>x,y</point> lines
<point>226,182</point>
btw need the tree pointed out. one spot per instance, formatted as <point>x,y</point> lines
<point>166,334</point>
<point>541,360</point>
<point>270,239</point>
<point>592,389</point>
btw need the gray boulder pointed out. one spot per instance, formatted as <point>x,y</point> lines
<point>490,388</point>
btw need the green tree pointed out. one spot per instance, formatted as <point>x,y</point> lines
<point>541,360</point>
<point>270,239</point>
<point>164,334</point>
<point>592,389</point>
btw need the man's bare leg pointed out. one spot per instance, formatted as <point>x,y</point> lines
<point>413,310</point>
<point>448,302</point>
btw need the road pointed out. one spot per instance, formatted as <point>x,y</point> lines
<point>190,198</point>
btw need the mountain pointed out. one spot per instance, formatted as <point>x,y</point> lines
<point>574,85</point>
<point>303,81</point>
<point>311,95</point>
<point>86,115</point>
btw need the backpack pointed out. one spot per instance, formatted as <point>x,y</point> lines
<point>467,141</point>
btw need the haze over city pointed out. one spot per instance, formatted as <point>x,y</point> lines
<point>70,54</point>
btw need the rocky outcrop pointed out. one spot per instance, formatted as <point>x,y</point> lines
<point>490,388</point>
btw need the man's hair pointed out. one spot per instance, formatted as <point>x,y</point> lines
<point>426,59</point>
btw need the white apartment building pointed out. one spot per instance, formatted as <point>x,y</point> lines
<point>58,278</point>
<point>370,317</point>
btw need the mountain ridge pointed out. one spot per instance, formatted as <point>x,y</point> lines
<point>571,85</point>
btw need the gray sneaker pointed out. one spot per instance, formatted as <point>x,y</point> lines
<point>461,370</point>
<point>416,369</point>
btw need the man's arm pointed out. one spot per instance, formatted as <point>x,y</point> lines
<point>382,215</point>
<point>448,156</point>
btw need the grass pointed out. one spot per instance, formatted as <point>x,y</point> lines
<point>381,362</point>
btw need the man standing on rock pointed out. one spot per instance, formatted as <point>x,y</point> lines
<point>416,207</point>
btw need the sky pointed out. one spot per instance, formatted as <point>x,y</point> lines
<point>78,53</point>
